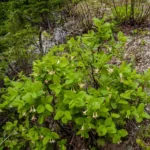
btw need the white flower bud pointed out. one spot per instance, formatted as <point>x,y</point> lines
<point>51,72</point>
<point>110,70</point>
<point>95,115</point>
<point>81,85</point>
<point>84,112</point>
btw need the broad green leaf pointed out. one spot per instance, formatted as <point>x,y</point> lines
<point>116,138</point>
<point>69,81</point>
<point>18,103</point>
<point>114,105</point>
<point>45,131</point>
<point>34,95</point>
<point>127,94</point>
<point>28,98</point>
<point>123,133</point>
<point>111,130</point>
<point>101,100</point>
<point>17,84</point>
<point>46,140</point>
<point>54,135</point>
<point>56,88</point>
<point>104,109</point>
<point>101,130</point>
<point>95,106</point>
<point>145,115</point>
<point>37,86</point>
<point>59,115</point>
<point>114,115</point>
<point>79,120</point>
<point>83,133</point>
<point>56,79</point>
<point>141,107</point>
<point>138,119</point>
<point>64,120</point>
<point>49,107</point>
<point>68,115</point>
<point>69,94</point>
<point>46,100</point>
<point>72,104</point>
<point>49,99</point>
<point>104,92</point>
<point>40,109</point>
<point>41,119</point>
<point>123,102</point>
<point>97,22</point>
<point>81,94</point>
<point>4,104</point>
<point>108,122</point>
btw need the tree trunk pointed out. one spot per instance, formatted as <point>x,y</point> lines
<point>132,11</point>
<point>40,42</point>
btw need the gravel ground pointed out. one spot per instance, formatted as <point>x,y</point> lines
<point>137,50</point>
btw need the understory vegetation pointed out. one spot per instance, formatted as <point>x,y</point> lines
<point>71,96</point>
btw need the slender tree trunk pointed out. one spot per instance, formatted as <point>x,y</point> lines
<point>132,10</point>
<point>40,42</point>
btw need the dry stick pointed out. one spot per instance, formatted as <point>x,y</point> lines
<point>5,139</point>
<point>4,120</point>
<point>71,141</point>
<point>96,84</point>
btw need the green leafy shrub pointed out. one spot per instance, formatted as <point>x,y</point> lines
<point>75,86</point>
<point>131,12</point>
<point>21,26</point>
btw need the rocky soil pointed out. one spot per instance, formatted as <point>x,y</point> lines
<point>137,50</point>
